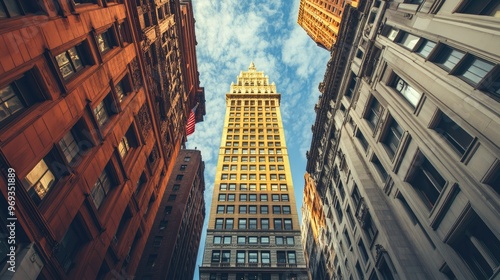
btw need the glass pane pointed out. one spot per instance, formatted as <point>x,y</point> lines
<point>477,70</point>
<point>75,58</point>
<point>69,147</point>
<point>409,41</point>
<point>449,57</point>
<point>426,48</point>
<point>13,8</point>
<point>102,42</point>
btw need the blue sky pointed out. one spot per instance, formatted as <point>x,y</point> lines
<point>230,35</point>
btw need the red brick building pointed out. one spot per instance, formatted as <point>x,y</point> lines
<point>93,107</point>
<point>172,246</point>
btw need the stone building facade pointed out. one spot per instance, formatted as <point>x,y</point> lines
<point>172,245</point>
<point>88,131</point>
<point>405,148</point>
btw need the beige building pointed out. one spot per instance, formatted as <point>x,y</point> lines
<point>321,19</point>
<point>405,146</point>
<point>253,229</point>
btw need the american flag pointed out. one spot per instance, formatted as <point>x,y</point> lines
<point>191,121</point>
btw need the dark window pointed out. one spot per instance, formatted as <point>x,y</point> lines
<point>369,228</point>
<point>176,187</point>
<point>479,248</point>
<point>179,177</point>
<point>485,7</point>
<point>288,224</point>
<point>380,168</point>
<point>286,210</point>
<point>229,223</point>
<point>427,181</point>
<point>374,112</point>
<point>276,210</point>
<point>72,61</point>
<point>359,271</point>
<point>352,84</point>
<point>216,256</point>
<point>242,209</point>
<point>454,134</point>
<point>356,196</point>
<point>281,257</point>
<point>473,70</point>
<point>264,223</point>
<point>168,210</point>
<point>252,223</point>
<point>362,139</point>
<point>392,138</point>
<point>157,241</point>
<point>447,57</point>
<point>226,256</point>
<point>102,111</point>
<point>183,167</point>
<point>163,224</point>
<point>106,40</point>
<point>69,246</point>
<point>172,197</point>
<point>14,8</point>
<point>101,188</point>
<point>69,146</point>
<point>278,224</point>
<point>19,95</point>
<point>362,250</point>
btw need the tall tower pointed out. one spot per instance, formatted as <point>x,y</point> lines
<point>321,19</point>
<point>253,230</point>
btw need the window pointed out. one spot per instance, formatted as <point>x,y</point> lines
<point>447,57</point>
<point>426,180</point>
<point>281,257</point>
<point>484,8</point>
<point>232,187</point>
<point>264,209</point>
<point>18,95</point>
<point>284,197</point>
<point>290,240</point>
<point>362,140</point>
<point>286,209</point>
<point>374,112</point>
<point>264,223</point>
<point>157,241</point>
<point>264,239</point>
<point>359,271</point>
<point>229,223</point>
<point>123,147</point>
<point>105,41</point>
<point>407,91</point>
<point>219,223</point>
<point>243,197</point>
<point>101,188</point>
<point>356,196</point>
<point>265,258</point>
<point>240,257</point>
<point>253,257</point>
<point>216,256</point>
<point>230,209</point>
<point>478,247</point>
<point>263,197</point>
<point>69,246</point>
<point>230,197</point>
<point>242,223</point>
<point>408,40</point>
<point>369,228</point>
<point>172,197</point>
<point>425,48</point>
<point>276,197</point>
<point>473,70</point>
<point>276,210</point>
<point>102,112</point>
<point>71,61</point>
<point>252,223</point>
<point>454,134</point>
<point>278,224</point>
<point>362,250</point>
<point>69,146</point>
<point>167,210</point>
<point>252,209</point>
<point>252,197</point>
<point>227,239</point>
<point>183,167</point>
<point>217,239</point>
<point>288,224</point>
<point>179,177</point>
<point>220,209</point>
<point>392,138</point>
<point>241,240</point>
<point>253,240</point>
<point>380,168</point>
<point>226,256</point>
<point>291,257</point>
<point>222,197</point>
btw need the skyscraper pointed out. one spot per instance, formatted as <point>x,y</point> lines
<point>253,230</point>
<point>321,19</point>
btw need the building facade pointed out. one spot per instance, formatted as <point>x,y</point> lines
<point>313,232</point>
<point>321,19</point>
<point>87,137</point>
<point>253,229</point>
<point>405,149</point>
<point>172,245</point>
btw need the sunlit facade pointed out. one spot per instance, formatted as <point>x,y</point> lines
<point>321,19</point>
<point>253,229</point>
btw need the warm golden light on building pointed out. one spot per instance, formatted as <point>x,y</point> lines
<point>253,229</point>
<point>321,19</point>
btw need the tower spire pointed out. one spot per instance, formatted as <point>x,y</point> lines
<point>252,66</point>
